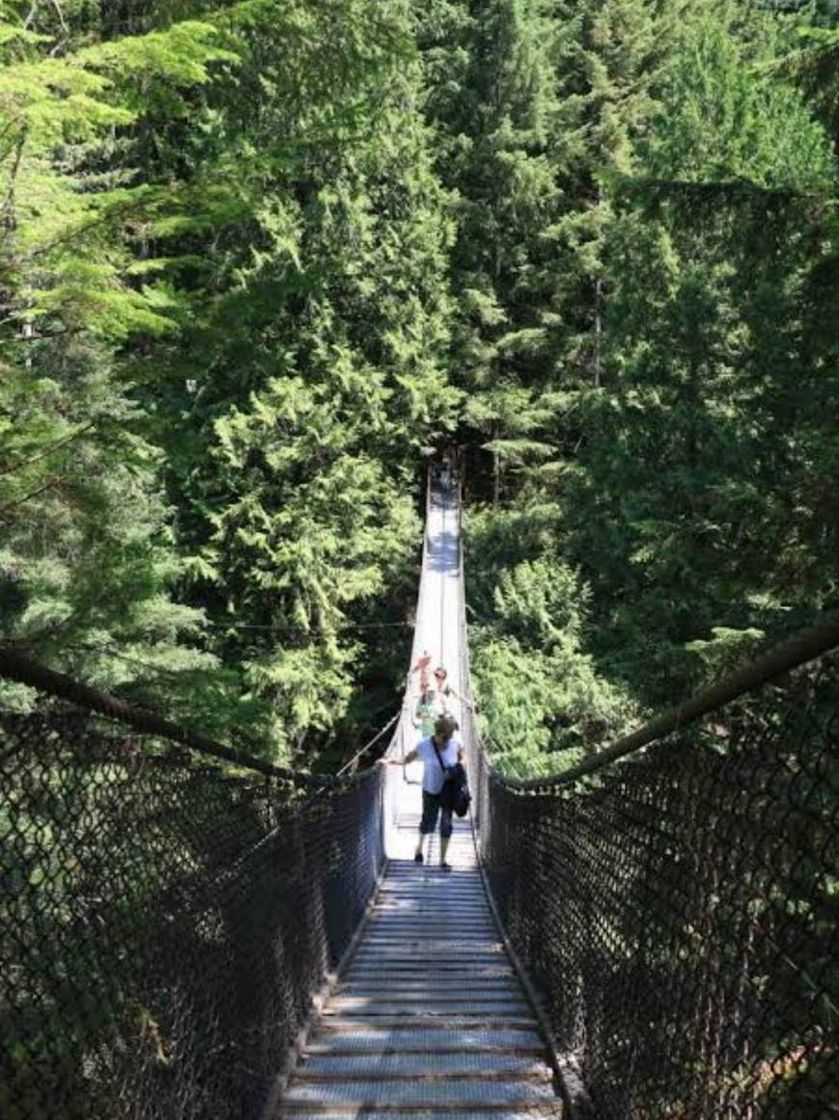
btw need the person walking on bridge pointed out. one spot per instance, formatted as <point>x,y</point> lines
<point>435,703</point>
<point>445,691</point>
<point>438,754</point>
<point>427,712</point>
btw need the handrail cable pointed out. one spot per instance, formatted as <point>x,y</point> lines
<point>806,645</point>
<point>371,742</point>
<point>15,666</point>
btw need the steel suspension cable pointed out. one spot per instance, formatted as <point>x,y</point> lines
<point>791,653</point>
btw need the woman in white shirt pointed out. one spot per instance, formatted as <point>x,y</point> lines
<point>438,753</point>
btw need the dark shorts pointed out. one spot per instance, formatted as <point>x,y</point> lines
<point>430,808</point>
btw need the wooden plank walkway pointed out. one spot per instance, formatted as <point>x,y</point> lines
<point>429,1018</point>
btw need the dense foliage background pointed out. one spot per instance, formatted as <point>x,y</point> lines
<point>224,339</point>
<point>257,256</point>
<point>645,275</point>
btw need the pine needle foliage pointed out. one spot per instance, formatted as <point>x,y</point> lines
<point>259,257</point>
<point>224,255</point>
<point>644,267</point>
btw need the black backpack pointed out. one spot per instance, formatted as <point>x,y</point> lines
<point>454,796</point>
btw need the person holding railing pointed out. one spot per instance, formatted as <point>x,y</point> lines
<point>439,753</point>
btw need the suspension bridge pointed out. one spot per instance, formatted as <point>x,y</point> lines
<point>428,1012</point>
<point>188,932</point>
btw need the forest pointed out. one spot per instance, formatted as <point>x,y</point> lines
<point>262,259</point>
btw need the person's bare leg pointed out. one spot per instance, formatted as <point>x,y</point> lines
<point>444,847</point>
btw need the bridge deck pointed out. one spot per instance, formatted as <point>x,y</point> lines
<point>429,1018</point>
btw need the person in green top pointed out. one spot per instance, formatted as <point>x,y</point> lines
<point>434,703</point>
<point>427,712</point>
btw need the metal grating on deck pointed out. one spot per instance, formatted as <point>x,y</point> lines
<point>429,1019</point>
<point>442,1035</point>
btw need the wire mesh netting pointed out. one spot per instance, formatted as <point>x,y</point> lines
<point>163,921</point>
<point>679,910</point>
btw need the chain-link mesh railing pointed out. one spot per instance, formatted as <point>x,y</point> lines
<point>679,912</point>
<point>164,921</point>
<point>678,906</point>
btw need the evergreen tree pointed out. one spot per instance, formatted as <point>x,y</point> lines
<point>259,256</point>
<point>660,407</point>
<point>688,513</point>
<point>87,561</point>
<point>225,255</point>
<point>307,388</point>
